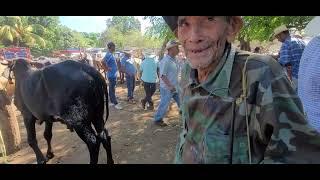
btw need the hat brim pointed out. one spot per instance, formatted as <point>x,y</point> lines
<point>173,45</point>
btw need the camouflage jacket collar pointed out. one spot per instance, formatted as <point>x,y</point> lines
<point>218,81</point>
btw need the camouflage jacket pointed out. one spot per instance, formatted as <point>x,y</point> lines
<point>214,115</point>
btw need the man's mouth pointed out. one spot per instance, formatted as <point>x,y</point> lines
<point>196,51</point>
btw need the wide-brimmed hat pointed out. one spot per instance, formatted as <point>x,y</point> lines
<point>172,43</point>
<point>127,51</point>
<point>278,30</point>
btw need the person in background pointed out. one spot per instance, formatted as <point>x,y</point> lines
<point>290,52</point>
<point>121,73</point>
<point>256,50</point>
<point>128,67</point>
<point>148,71</point>
<point>168,82</point>
<point>110,66</point>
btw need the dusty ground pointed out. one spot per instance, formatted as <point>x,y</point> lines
<point>135,139</point>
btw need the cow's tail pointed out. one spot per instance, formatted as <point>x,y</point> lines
<point>105,87</point>
<point>100,80</point>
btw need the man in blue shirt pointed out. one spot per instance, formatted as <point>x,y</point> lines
<point>127,66</point>
<point>168,82</point>
<point>148,69</point>
<point>290,52</point>
<point>111,67</point>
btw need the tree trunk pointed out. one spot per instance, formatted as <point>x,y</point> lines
<point>9,125</point>
<point>244,44</point>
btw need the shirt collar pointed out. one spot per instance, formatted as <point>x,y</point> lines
<point>169,57</point>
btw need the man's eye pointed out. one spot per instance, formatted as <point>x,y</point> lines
<point>211,18</point>
<point>182,23</point>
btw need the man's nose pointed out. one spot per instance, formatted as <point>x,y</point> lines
<point>195,34</point>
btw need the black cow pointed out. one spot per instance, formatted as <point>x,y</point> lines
<point>69,92</point>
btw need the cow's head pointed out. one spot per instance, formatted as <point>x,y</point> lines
<point>12,64</point>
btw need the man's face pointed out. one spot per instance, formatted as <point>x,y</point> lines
<point>281,37</point>
<point>203,38</point>
<point>174,50</point>
<point>112,48</point>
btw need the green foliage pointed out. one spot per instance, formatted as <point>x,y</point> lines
<point>159,28</point>
<point>43,34</point>
<point>124,24</point>
<point>14,30</point>
<point>125,32</point>
<point>261,27</point>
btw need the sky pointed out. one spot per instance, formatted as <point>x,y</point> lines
<point>93,23</point>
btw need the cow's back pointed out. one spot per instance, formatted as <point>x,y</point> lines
<point>64,85</point>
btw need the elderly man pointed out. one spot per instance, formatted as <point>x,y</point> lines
<point>237,107</point>
<point>168,82</point>
<point>290,52</point>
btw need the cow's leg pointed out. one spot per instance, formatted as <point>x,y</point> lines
<point>48,136</point>
<point>106,142</point>
<point>86,133</point>
<point>104,137</point>
<point>29,122</point>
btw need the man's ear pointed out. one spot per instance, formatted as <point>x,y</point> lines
<point>234,28</point>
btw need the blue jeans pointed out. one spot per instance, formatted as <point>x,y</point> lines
<point>165,98</point>
<point>131,83</point>
<point>112,90</point>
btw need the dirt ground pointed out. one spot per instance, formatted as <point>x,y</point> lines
<point>135,139</point>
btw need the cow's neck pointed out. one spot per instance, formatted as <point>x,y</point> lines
<point>22,73</point>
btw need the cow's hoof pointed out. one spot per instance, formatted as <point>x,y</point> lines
<point>42,162</point>
<point>49,155</point>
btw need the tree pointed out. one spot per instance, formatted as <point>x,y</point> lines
<point>125,32</point>
<point>124,24</point>
<point>261,27</point>
<point>91,38</point>
<point>159,30</point>
<point>15,31</point>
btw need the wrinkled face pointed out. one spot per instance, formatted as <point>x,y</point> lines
<point>203,38</point>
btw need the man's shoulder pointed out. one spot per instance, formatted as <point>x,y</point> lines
<point>257,61</point>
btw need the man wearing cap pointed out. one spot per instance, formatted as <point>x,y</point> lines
<point>128,67</point>
<point>290,52</point>
<point>168,82</point>
<point>237,107</point>
<point>110,66</point>
<point>309,75</point>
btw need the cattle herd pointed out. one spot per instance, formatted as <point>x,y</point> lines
<point>69,92</point>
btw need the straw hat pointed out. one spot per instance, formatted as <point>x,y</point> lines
<point>279,30</point>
